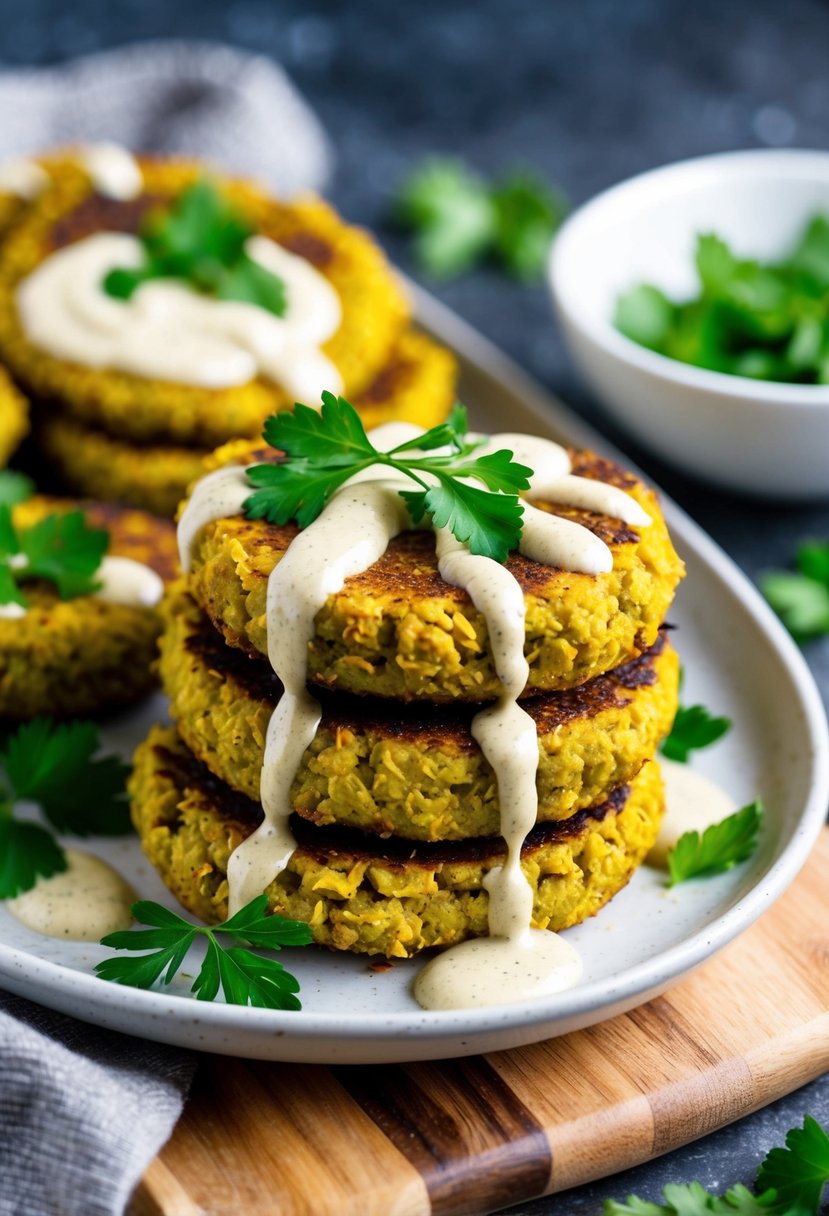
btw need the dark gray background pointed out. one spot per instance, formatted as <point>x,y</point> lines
<point>587,93</point>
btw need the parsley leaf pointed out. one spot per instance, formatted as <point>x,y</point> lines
<point>459,219</point>
<point>801,599</point>
<point>790,1180</point>
<point>721,846</point>
<point>61,549</point>
<point>55,767</point>
<point>323,449</point>
<point>692,1199</point>
<point>27,852</point>
<point>243,977</point>
<point>14,487</point>
<point>799,1172</point>
<point>694,727</point>
<point>763,321</point>
<point>202,240</point>
<point>527,214</point>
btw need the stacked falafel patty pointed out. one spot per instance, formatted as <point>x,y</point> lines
<point>120,436</point>
<point>395,809</point>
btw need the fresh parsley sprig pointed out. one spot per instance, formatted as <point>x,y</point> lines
<point>459,219</point>
<point>326,447</point>
<point>244,978</point>
<point>61,549</point>
<point>789,1182</point>
<point>55,766</point>
<point>202,240</point>
<point>801,599</point>
<point>694,727</point>
<point>719,848</point>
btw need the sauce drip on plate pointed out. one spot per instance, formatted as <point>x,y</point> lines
<point>84,903</point>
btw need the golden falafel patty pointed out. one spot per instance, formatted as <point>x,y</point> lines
<point>373,896</point>
<point>417,384</point>
<point>398,630</point>
<point>414,772</point>
<point>153,477</point>
<point>374,309</point>
<point>14,417</point>
<point>77,656</point>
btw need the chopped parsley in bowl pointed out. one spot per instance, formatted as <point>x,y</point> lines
<point>764,320</point>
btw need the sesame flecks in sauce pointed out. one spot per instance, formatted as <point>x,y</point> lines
<point>82,904</point>
<point>169,331</point>
<point>692,803</point>
<point>515,961</point>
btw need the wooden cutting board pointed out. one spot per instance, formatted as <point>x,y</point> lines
<point>478,1134</point>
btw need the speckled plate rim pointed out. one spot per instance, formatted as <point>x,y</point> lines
<point>386,1037</point>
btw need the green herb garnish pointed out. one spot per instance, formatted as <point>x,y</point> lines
<point>55,767</point>
<point>459,219</point>
<point>790,1182</point>
<point>801,599</point>
<point>326,447</point>
<point>694,727</point>
<point>14,487</point>
<point>201,239</point>
<point>767,322</point>
<point>245,978</point>
<point>721,846</point>
<point>60,549</point>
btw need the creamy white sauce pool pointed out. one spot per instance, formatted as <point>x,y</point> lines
<point>349,536</point>
<point>168,331</point>
<point>692,804</point>
<point>84,903</point>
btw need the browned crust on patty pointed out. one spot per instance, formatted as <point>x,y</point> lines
<point>191,775</point>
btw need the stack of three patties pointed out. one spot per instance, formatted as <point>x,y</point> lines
<point>396,810</point>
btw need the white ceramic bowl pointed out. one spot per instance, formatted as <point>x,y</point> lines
<point>752,436</point>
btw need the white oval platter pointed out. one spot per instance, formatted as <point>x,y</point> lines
<point>738,661</point>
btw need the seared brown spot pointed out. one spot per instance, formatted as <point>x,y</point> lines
<point>319,253</point>
<point>98,214</point>
<point>387,382</point>
<point>190,775</point>
<point>137,534</point>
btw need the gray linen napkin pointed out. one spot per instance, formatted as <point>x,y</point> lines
<point>83,1111</point>
<point>191,98</point>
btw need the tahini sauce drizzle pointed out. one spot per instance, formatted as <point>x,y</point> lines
<point>88,900</point>
<point>169,331</point>
<point>515,961</point>
<point>692,803</point>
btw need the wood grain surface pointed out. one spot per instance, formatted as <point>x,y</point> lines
<point>479,1134</point>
